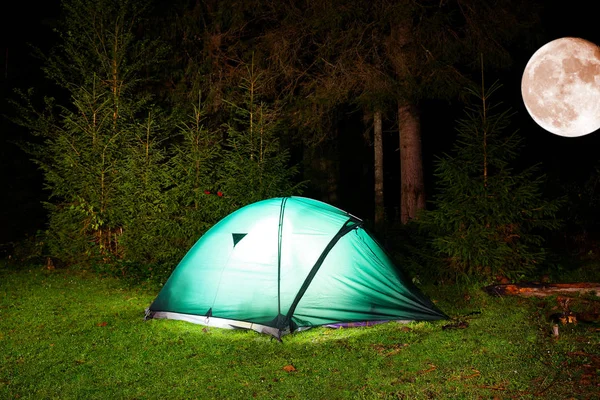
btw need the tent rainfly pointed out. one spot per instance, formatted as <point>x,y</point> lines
<point>286,264</point>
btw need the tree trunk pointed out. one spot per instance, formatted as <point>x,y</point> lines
<point>378,153</point>
<point>411,165</point>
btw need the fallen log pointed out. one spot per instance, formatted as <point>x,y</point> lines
<point>532,289</point>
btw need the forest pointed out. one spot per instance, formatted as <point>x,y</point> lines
<point>149,121</point>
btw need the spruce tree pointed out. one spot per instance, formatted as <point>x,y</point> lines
<point>255,165</point>
<point>488,216</point>
<point>142,192</point>
<point>95,142</point>
<point>196,199</point>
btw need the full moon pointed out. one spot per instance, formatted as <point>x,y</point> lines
<point>561,87</point>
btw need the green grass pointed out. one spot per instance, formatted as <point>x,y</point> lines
<point>66,334</point>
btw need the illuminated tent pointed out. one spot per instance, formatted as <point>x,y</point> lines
<point>285,264</point>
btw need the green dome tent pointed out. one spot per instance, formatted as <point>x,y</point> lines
<point>284,264</point>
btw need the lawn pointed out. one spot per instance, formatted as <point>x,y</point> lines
<point>67,334</point>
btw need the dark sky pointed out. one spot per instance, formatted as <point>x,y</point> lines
<point>28,22</point>
<point>560,155</point>
<point>31,22</point>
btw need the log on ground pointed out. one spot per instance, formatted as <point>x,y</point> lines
<point>533,289</point>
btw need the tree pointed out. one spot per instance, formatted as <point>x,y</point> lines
<point>387,56</point>
<point>255,164</point>
<point>488,216</point>
<point>145,206</point>
<point>209,41</point>
<point>91,138</point>
<point>343,66</point>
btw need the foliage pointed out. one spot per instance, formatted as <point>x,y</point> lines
<point>184,207</point>
<point>90,140</point>
<point>206,178</point>
<point>131,185</point>
<point>122,173</point>
<point>383,57</point>
<point>488,216</point>
<point>74,335</point>
<point>256,165</point>
<point>143,192</point>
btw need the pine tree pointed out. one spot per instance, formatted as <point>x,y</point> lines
<point>95,138</point>
<point>142,192</point>
<point>195,194</point>
<point>255,165</point>
<point>487,216</point>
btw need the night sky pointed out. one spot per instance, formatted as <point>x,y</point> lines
<point>21,213</point>
<point>564,156</point>
<point>28,22</point>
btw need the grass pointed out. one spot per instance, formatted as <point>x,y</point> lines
<point>66,334</point>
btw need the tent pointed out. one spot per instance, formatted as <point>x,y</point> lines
<point>286,264</point>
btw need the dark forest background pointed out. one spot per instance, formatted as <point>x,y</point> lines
<point>313,78</point>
